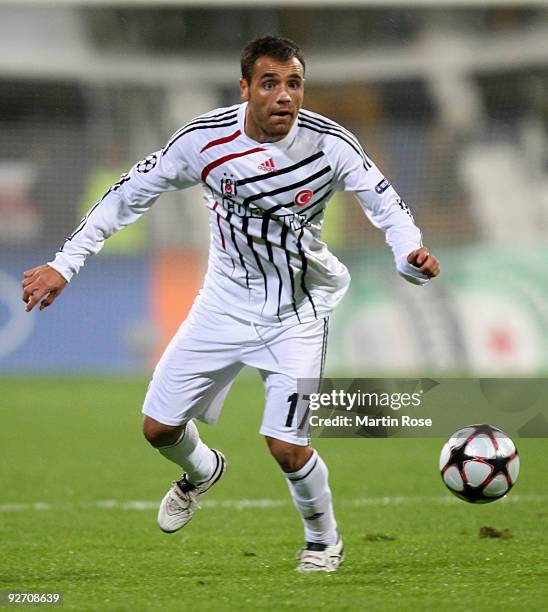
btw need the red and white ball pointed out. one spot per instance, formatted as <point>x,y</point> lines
<point>479,464</point>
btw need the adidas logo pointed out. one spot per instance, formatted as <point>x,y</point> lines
<point>268,166</point>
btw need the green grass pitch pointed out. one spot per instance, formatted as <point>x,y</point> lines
<point>78,508</point>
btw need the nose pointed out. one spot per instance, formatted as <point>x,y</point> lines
<point>284,96</point>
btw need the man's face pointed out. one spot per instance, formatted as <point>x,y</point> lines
<point>274,98</point>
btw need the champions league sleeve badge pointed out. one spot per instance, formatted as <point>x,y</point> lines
<point>147,164</point>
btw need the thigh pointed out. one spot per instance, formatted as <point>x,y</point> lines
<point>297,351</point>
<point>196,370</point>
<point>296,354</point>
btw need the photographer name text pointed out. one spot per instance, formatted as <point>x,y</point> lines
<point>365,420</point>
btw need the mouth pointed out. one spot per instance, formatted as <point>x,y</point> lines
<point>284,114</point>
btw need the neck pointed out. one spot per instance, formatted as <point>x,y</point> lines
<point>256,133</point>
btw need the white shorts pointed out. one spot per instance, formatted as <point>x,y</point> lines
<point>202,360</point>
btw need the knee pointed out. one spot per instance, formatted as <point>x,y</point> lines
<point>159,434</point>
<point>291,457</point>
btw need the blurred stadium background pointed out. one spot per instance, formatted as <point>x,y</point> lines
<point>449,98</point>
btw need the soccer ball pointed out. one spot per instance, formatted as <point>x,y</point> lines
<point>479,464</point>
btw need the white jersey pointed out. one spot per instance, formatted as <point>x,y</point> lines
<point>266,201</point>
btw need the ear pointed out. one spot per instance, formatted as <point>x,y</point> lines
<point>244,89</point>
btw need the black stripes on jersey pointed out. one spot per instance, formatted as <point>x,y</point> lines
<point>322,126</point>
<point>283,243</point>
<point>245,225</point>
<point>304,264</point>
<point>253,241</point>
<point>284,188</point>
<point>234,242</point>
<point>264,236</point>
<point>267,221</point>
<point>224,119</point>
<point>123,179</point>
<point>267,218</point>
<point>281,171</point>
<point>309,206</point>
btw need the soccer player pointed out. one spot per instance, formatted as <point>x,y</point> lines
<point>268,168</point>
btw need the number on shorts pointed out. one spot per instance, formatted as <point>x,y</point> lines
<point>293,400</point>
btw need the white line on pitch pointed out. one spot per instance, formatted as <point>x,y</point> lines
<point>244,504</point>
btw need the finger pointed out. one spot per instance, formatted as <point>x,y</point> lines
<point>35,298</point>
<point>414,254</point>
<point>28,291</point>
<point>31,271</point>
<point>28,280</point>
<point>431,267</point>
<point>31,288</point>
<point>48,301</point>
<point>422,257</point>
<point>426,265</point>
<point>412,258</point>
<point>418,257</point>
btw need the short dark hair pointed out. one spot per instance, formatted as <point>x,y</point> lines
<point>281,49</point>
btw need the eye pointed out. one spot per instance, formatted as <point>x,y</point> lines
<point>268,85</point>
<point>294,84</point>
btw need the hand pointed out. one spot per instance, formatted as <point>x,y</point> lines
<point>41,283</point>
<point>426,263</point>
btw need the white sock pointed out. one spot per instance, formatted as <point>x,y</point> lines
<point>312,496</point>
<point>189,452</point>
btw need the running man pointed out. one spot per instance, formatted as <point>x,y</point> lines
<point>268,168</point>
